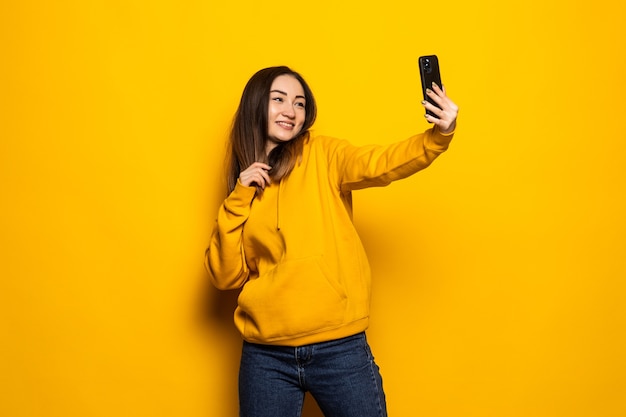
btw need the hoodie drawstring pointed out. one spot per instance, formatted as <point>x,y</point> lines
<point>280,187</point>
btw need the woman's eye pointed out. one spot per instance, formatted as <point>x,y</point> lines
<point>278,99</point>
<point>300,104</point>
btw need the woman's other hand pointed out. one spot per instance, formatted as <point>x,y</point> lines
<point>257,174</point>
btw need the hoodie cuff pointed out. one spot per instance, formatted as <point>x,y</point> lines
<point>240,198</point>
<point>439,141</point>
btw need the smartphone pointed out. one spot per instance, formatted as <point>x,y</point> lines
<point>429,74</point>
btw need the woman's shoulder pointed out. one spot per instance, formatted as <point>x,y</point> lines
<point>327,147</point>
<point>324,141</point>
<point>322,144</point>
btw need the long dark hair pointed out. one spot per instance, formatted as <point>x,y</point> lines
<point>248,136</point>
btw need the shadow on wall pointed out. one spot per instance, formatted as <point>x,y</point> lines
<point>311,409</point>
<point>216,320</point>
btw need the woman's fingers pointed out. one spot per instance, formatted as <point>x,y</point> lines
<point>257,173</point>
<point>446,110</point>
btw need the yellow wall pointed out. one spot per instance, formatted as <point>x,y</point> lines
<point>499,272</point>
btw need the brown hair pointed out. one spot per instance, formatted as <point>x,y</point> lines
<point>248,136</point>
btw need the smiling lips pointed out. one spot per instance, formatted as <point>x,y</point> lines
<point>285,125</point>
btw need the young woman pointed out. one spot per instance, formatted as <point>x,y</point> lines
<point>284,234</point>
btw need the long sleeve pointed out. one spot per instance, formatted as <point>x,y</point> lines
<point>375,165</point>
<point>224,258</point>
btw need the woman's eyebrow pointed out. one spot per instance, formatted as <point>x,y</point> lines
<point>283,93</point>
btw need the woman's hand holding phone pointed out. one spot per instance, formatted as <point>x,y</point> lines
<point>440,110</point>
<point>444,114</point>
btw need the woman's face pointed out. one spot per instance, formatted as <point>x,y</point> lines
<point>286,110</point>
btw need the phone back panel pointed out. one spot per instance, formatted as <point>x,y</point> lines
<point>429,74</point>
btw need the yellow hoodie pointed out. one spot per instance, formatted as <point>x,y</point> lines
<point>295,251</point>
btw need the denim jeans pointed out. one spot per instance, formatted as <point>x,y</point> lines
<point>340,374</point>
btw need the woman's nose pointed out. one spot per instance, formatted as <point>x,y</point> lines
<point>289,111</point>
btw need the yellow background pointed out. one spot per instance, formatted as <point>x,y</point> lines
<point>499,271</point>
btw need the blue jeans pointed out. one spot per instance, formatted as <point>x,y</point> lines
<point>340,374</point>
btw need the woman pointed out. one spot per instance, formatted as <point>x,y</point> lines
<point>285,234</point>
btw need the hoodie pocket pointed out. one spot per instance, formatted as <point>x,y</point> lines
<point>296,298</point>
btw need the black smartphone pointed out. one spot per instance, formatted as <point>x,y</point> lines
<point>429,74</point>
